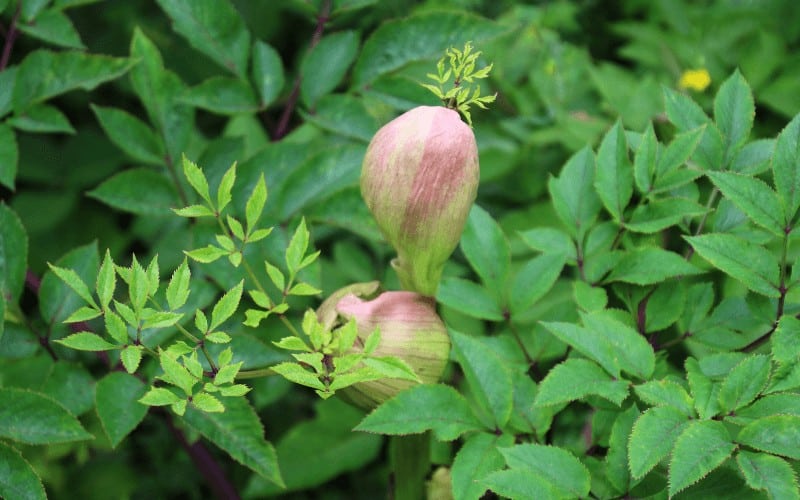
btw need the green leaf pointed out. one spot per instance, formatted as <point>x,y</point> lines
<point>771,404</point>
<point>573,194</point>
<point>549,240</point>
<point>178,287</point>
<point>477,457</point>
<point>131,135</point>
<point>768,473</point>
<point>197,179</point>
<point>666,393</point>
<point>486,248</point>
<point>74,281</point>
<point>142,191</point>
<point>439,408</point>
<point>238,432</point>
<point>267,72</point>
<point>687,115</point>
<point>777,434</point>
<point>575,379</point>
<point>676,154</point>
<point>138,286</point>
<point>630,350</point>
<point>751,264</point>
<point>644,163</point>
<point>734,111</point>
<point>44,74</point>
<point>207,254</point>
<point>744,382</point>
<point>32,8</point>
<point>301,289</point>
<point>786,340</point>
<point>299,375</point>
<point>534,280</point>
<point>488,376</point>
<point>17,478</point>
<point>614,175</point>
<point>755,157</point>
<point>84,313</point>
<point>469,298</point>
<point>226,306</point>
<point>255,204</point>
<point>650,265</point>
<point>56,299</point>
<point>159,396</point>
<point>703,390</point>
<point>297,247</point>
<point>618,473</point>
<point>207,403</point>
<point>194,211</point>
<point>9,155</point>
<point>224,195</point>
<point>175,373</point>
<point>43,119</point>
<point>13,256</point>
<point>33,418</point>
<point>701,447</point>
<point>661,214</point>
<point>420,36</point>
<point>653,437</point>
<point>538,471</point>
<point>116,399</point>
<point>131,356</point>
<point>757,200</point>
<point>324,66</point>
<point>53,26</point>
<point>106,281</point>
<point>86,341</point>
<point>784,167</point>
<point>213,27</point>
<point>222,95</point>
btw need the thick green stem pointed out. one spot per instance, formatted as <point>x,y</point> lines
<point>410,459</point>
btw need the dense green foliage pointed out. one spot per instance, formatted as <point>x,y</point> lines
<point>180,188</point>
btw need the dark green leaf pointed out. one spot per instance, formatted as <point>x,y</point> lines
<point>420,36</point>
<point>32,8</point>
<point>784,167</point>
<point>43,119</point>
<point>777,434</point>
<point>614,176</point>
<point>653,437</point>
<point>573,194</point>
<point>575,379</point>
<point>666,393</point>
<point>44,74</point>
<point>751,264</point>
<point>213,27</point>
<point>744,382</point>
<point>701,447</point>
<point>33,418</point>
<point>677,153</point>
<point>13,256</point>
<point>57,300</point>
<point>469,298</point>
<point>344,115</point>
<point>18,480</point>
<point>131,135</point>
<point>326,64</point>
<point>757,200</point>
<point>786,340</point>
<point>650,265</point>
<point>755,157</point>
<point>661,214</point>
<point>476,458</point>
<point>768,473</point>
<point>534,280</point>
<point>771,404</point>
<point>687,115</point>
<point>9,155</point>
<point>239,432</point>
<point>488,375</point>
<point>222,95</point>
<point>71,385</point>
<point>631,350</point>
<point>547,470</point>
<point>142,191</point>
<point>117,400</point>
<point>549,240</point>
<point>703,390</point>
<point>617,456</point>
<point>734,111</point>
<point>423,407</point>
<point>644,163</point>
<point>267,72</point>
<point>53,26</point>
<point>486,248</point>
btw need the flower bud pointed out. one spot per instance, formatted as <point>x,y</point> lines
<point>419,180</point>
<point>410,329</point>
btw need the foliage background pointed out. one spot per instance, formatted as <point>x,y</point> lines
<point>301,109</point>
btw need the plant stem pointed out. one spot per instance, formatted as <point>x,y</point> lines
<point>410,459</point>
<point>11,37</point>
<point>261,372</point>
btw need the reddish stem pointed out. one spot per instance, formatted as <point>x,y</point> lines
<point>11,36</point>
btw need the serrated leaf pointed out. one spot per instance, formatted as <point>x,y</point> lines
<point>391,367</point>
<point>116,399</point>
<point>666,393</point>
<point>751,264</point>
<point>72,280</point>
<point>687,115</point>
<point>704,391</point>
<point>573,194</point>
<point>194,211</point>
<point>204,401</point>
<point>777,434</point>
<point>297,247</point>
<point>267,72</point>
<point>178,287</point>
<point>159,396</point>
<point>276,276</point>
<point>478,456</point>
<point>328,62</point>
<point>86,341</point>
<point>786,340</point>
<point>222,95</point>
<point>768,473</point>
<point>227,373</point>
<point>175,373</point>
<point>106,281</point>
<point>299,375</point>
<point>141,191</point>
<point>32,418</point>
<point>644,163</point>
<point>652,438</point>
<point>131,356</point>
<point>84,313</point>
<point>677,153</point>
<point>197,179</point>
<point>534,280</point>
<point>744,382</point>
<point>784,167</point>
<point>9,153</point>
<point>115,327</point>
<point>226,306</point>
<point>734,111</point>
<point>546,471</point>
<point>56,299</point>
<point>18,479</point>
<point>304,289</point>
<point>225,187</point>
<point>131,135</point>
<point>650,265</point>
<point>614,175</point>
<point>439,408</point>
<point>255,204</point>
<point>207,254</point>
<point>218,337</point>
<point>486,248</point>
<point>754,197</point>
<point>469,298</point>
<point>42,119</point>
<point>661,214</point>
<point>575,379</point>
<point>618,473</point>
<point>549,240</point>
<point>701,447</point>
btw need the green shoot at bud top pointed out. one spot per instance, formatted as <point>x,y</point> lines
<point>463,74</point>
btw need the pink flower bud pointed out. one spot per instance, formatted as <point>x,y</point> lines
<point>410,329</point>
<point>419,180</point>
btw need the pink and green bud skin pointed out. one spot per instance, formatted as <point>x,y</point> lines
<point>410,329</point>
<point>419,179</point>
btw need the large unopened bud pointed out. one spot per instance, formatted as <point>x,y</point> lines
<point>410,329</point>
<point>419,180</point>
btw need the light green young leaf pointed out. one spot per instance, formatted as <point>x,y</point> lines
<point>207,254</point>
<point>304,289</point>
<point>218,337</point>
<point>439,408</point>
<point>197,179</point>
<point>227,373</point>
<point>178,287</point>
<point>131,356</point>
<point>194,211</point>
<point>299,375</point>
<point>701,447</point>
<point>175,373</point>
<point>255,204</point>
<point>204,401</point>
<point>226,306</point>
<point>138,287</point>
<point>392,367</point>
<point>85,313</point>
<point>159,396</point>
<point>72,280</point>
<point>276,276</point>
<point>86,341</point>
<point>116,328</point>
<point>106,281</point>
<point>297,247</point>
<point>225,187</point>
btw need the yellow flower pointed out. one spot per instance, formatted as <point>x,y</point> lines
<point>695,79</point>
